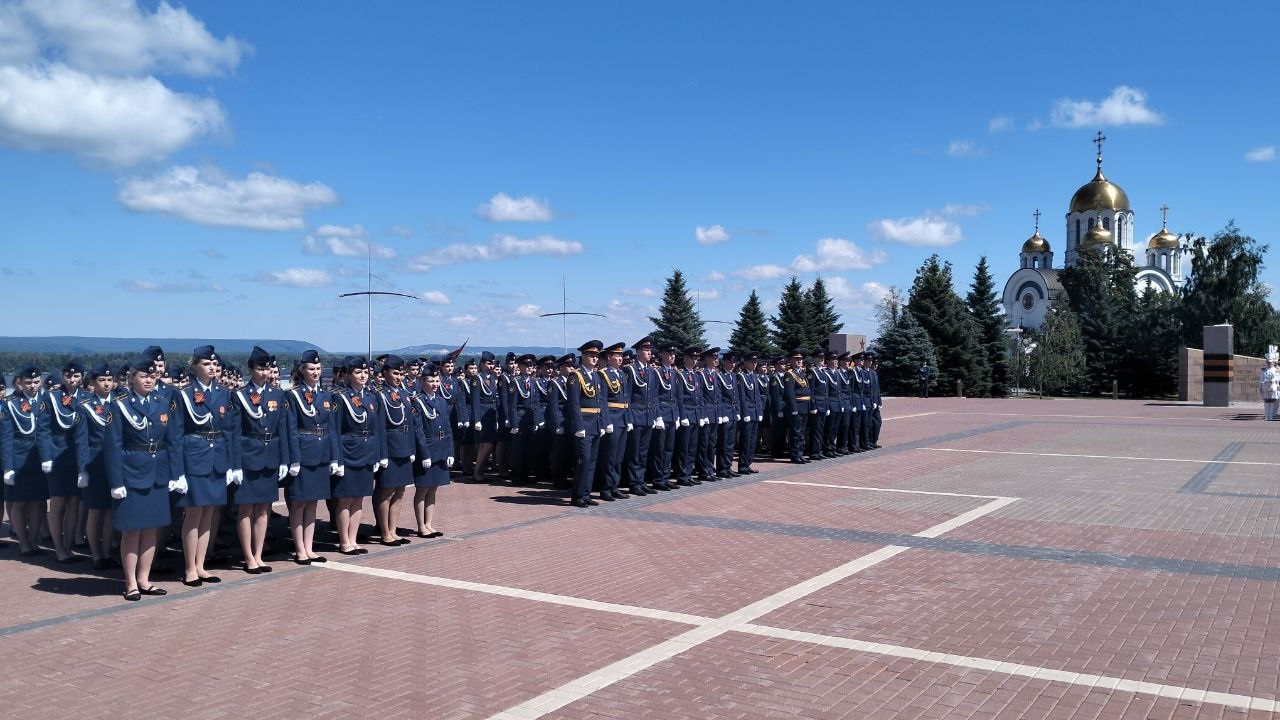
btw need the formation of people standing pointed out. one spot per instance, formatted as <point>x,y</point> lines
<point>149,452</point>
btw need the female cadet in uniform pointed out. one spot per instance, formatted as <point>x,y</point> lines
<point>435,452</point>
<point>264,451</point>
<point>208,450</point>
<point>403,432</point>
<point>148,463</point>
<point>309,416</point>
<point>94,454</point>
<point>363,446</point>
<point>28,458</point>
<point>66,478</point>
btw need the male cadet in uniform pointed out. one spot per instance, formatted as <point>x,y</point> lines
<point>727,436</point>
<point>689,403</point>
<point>781,422</point>
<point>796,396</point>
<point>614,443</point>
<point>643,418</point>
<point>662,444</point>
<point>585,420</point>
<point>544,395</point>
<point>484,413</point>
<point>862,404</point>
<point>751,408</point>
<point>709,420</point>
<point>819,388</point>
<point>873,365</point>
<point>562,439</point>
<point>524,417</point>
<point>839,404</point>
<point>506,374</point>
<point>848,398</point>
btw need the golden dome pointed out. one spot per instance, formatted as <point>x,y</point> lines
<point>1097,235</point>
<point>1035,244</point>
<point>1163,239</point>
<point>1099,194</point>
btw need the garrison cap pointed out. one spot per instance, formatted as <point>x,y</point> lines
<point>430,369</point>
<point>308,356</point>
<point>392,362</point>
<point>486,355</point>
<point>471,362</point>
<point>143,363</point>
<point>74,365</point>
<point>509,357</point>
<point>204,352</point>
<point>101,370</point>
<point>360,363</point>
<point>259,358</point>
<point>177,373</point>
<point>27,372</point>
<point>153,352</point>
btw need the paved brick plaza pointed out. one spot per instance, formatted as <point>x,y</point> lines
<point>1037,559</point>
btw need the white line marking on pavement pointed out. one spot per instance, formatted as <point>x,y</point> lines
<point>587,684</point>
<point>903,417</point>
<point>1103,457</point>
<point>1040,673</point>
<point>1091,417</point>
<point>518,593</point>
<point>884,489</point>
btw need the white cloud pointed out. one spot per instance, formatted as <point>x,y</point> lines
<point>837,254</point>
<point>1000,123</point>
<point>502,246</point>
<point>169,286</point>
<point>1266,153</point>
<point>297,277</point>
<point>121,38</point>
<point>116,121</point>
<point>715,276</point>
<point>709,294</point>
<point>713,235</point>
<point>504,208</point>
<point>848,295</point>
<point>463,320</point>
<point>965,210</point>
<point>209,197</point>
<point>435,297</point>
<point>345,231</point>
<point>768,271</point>
<point>401,231</point>
<point>641,292</point>
<point>344,242</point>
<point>528,311</point>
<point>964,148</point>
<point>926,231</point>
<point>1125,106</point>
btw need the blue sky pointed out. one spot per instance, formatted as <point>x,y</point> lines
<point>216,169</point>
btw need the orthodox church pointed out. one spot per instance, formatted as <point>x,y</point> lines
<point>1099,215</point>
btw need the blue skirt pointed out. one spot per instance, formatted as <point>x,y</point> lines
<point>62,481</point>
<point>396,475</point>
<point>204,491</point>
<point>488,425</point>
<point>259,488</point>
<point>97,496</point>
<point>142,509</point>
<point>434,476</point>
<point>356,482</point>
<point>29,483</point>
<point>312,483</point>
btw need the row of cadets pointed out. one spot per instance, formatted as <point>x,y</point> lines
<point>585,420</point>
<point>403,431</point>
<point>613,444</point>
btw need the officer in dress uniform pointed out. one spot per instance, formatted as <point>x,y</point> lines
<point>506,374</point>
<point>210,450</point>
<point>360,447</point>
<point>727,434</point>
<point>542,401</point>
<point>308,420</point>
<point>642,416</point>
<point>66,479</point>
<point>524,415</point>
<point>819,389</point>
<point>614,443</point>
<point>751,408</point>
<point>862,404</point>
<point>688,405</point>
<point>459,415</point>
<point>27,457</point>
<point>265,449</point>
<point>796,399</point>
<point>94,454</point>
<point>156,354</point>
<point>836,402</point>
<point>403,431</point>
<point>844,379</point>
<point>563,443</point>
<point>709,414</point>
<point>435,455</point>
<point>584,420</point>
<point>485,406</point>
<point>777,416</point>
<point>666,424</point>
<point>873,365</point>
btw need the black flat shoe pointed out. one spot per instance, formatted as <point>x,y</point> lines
<point>211,579</point>
<point>133,595</point>
<point>70,559</point>
<point>579,503</point>
<point>403,541</point>
<point>350,551</point>
<point>153,590</point>
<point>390,543</point>
<point>302,561</point>
<point>435,534</point>
<point>100,564</point>
<point>607,497</point>
<point>592,502</point>
<point>193,583</point>
<point>265,568</point>
<point>254,571</point>
<point>319,559</point>
<point>362,551</point>
<point>31,553</point>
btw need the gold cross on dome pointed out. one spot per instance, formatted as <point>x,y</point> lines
<point>1098,140</point>
<point>1164,216</point>
<point>1037,214</point>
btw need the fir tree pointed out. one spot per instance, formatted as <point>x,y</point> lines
<point>1101,294</point>
<point>934,304</point>
<point>901,348</point>
<point>751,334</point>
<point>678,322</point>
<point>823,318</point>
<point>1055,362</point>
<point>1224,288</point>
<point>985,309</point>
<point>1154,337</point>
<point>792,325</point>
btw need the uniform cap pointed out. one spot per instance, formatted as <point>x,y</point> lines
<point>469,363</point>
<point>26,372</point>
<point>153,352</point>
<point>565,360</point>
<point>692,351</point>
<point>260,358</point>
<point>709,352</point>
<point>308,356</point>
<point>750,356</point>
<point>509,357</point>
<point>486,355</point>
<point>527,359</point>
<point>646,340</point>
<point>730,357</point>
<point>392,362</point>
<point>74,365</point>
<point>548,360</point>
<point>143,364</point>
<point>430,370</point>
<point>204,352</point>
<point>615,348</point>
<point>669,348</point>
<point>101,370</point>
<point>591,346</point>
<point>796,353</point>
<point>359,363</point>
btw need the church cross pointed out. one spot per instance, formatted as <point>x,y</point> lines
<point>1098,140</point>
<point>1164,216</point>
<point>1037,214</point>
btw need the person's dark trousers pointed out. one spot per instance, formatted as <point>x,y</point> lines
<point>778,437</point>
<point>838,432</point>
<point>813,443</point>
<point>662,451</point>
<point>586,450</point>
<point>797,437</point>
<point>637,454</point>
<point>541,460</point>
<point>924,388</point>
<point>686,449</point>
<point>523,455</point>
<point>562,456</point>
<point>612,447</point>
<point>858,436</point>
<point>874,433</point>
<point>726,440</point>
<point>747,435</point>
<point>707,451</point>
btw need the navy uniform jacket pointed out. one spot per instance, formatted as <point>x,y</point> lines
<point>841,385</point>
<point>776,404</point>
<point>361,440</point>
<point>750,402</point>
<point>709,396</point>
<point>796,394</point>
<point>727,389</point>
<point>309,419</point>
<point>401,427</point>
<point>617,386</point>
<point>207,411</point>
<point>94,442</point>
<point>149,437</point>
<point>62,426</point>
<point>643,381</point>
<point>484,396</point>
<point>434,428</point>
<point>688,397</point>
<point>25,431</point>
<point>668,395</point>
<point>457,400</point>
<point>586,403</point>
<point>819,386</point>
<point>557,404</point>
<point>523,406</point>
<point>874,382</point>
<point>264,440</point>
<point>543,396</point>
<point>859,391</point>
<point>506,399</point>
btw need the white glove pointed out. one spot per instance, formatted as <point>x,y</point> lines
<point>702,422</point>
<point>46,467</point>
<point>462,425</point>
<point>426,462</point>
<point>333,468</point>
<point>477,427</point>
<point>342,469</point>
<point>684,422</point>
<point>608,428</point>
<point>539,426</point>
<point>761,418</point>
<point>448,462</point>
<point>119,493</point>
<point>793,412</point>
<point>180,485</point>
<point>659,424</point>
<point>722,420</point>
<point>8,477</point>
<point>813,412</point>
<point>231,477</point>
<point>294,469</point>
<point>239,476</point>
<point>515,431</point>
<point>780,414</point>
<point>284,470</point>
<point>828,412</point>
<point>580,433</point>
<point>82,479</point>
<point>413,457</point>
<point>630,427</point>
<point>383,463</point>
<point>602,432</point>
<point>737,417</point>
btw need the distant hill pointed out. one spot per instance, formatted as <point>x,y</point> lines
<point>73,345</point>
<point>473,350</point>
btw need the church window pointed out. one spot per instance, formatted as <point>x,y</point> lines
<point>1035,262</point>
<point>1090,223</point>
<point>1077,230</point>
<point>1028,301</point>
<point>1106,223</point>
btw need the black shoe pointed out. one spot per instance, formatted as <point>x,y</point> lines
<point>591,502</point>
<point>101,564</point>
<point>319,559</point>
<point>579,503</point>
<point>254,570</point>
<point>794,461</point>
<point>133,595</point>
<point>435,534</point>
<point>620,496</point>
<point>192,583</point>
<point>664,487</point>
<point>875,446</point>
<point>351,551</point>
<point>212,579</point>
<point>153,590</point>
<point>302,561</point>
<point>68,560</point>
<point>265,568</point>
<point>695,481</point>
<point>606,496</point>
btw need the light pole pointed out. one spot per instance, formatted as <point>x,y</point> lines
<point>1017,364</point>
